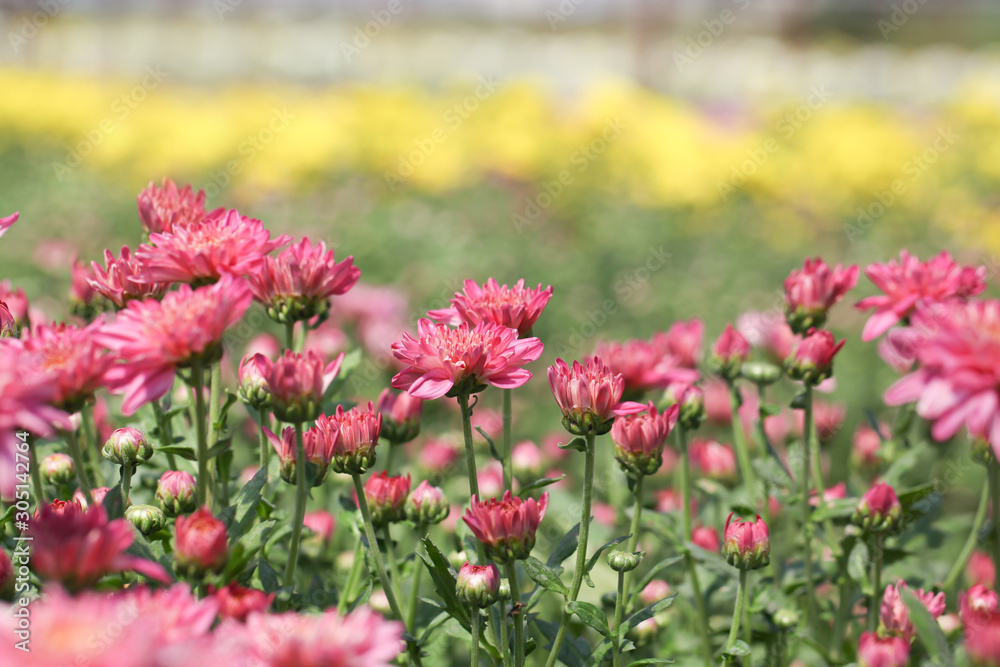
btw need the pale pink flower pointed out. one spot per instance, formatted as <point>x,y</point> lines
<point>161,208</point>
<point>490,478</point>
<point>655,590</point>
<point>514,307</point>
<point>437,455</point>
<point>713,459</point>
<point>526,458</point>
<point>683,341</point>
<point>895,615</point>
<point>705,537</point>
<point>155,338</point>
<point>671,500</point>
<point>645,364</point>
<point>982,640</point>
<point>589,396</point>
<point>865,446</point>
<point>980,569</point>
<point>768,332</point>
<point>378,312</point>
<point>640,438</point>
<point>297,382</point>
<point>225,242</point>
<point>26,398</point>
<point>811,291</point>
<point>910,282</point>
<point>506,527</point>
<point>478,585</point>
<point>320,522</point>
<point>444,361</point>
<point>173,614</point>
<point>8,222</point>
<point>604,514</point>
<point>976,604</point>
<point>120,279</point>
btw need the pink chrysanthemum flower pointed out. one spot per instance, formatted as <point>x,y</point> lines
<point>77,547</point>
<point>644,364</point>
<point>8,222</point>
<point>746,544</point>
<point>27,396</point>
<point>639,439</point>
<point>910,282</point>
<point>318,450</point>
<point>237,602</point>
<point>895,615</point>
<point>81,293</point>
<point>70,358</point>
<point>506,527</point>
<point>451,362</point>
<point>225,242</point>
<point>713,459</point>
<point>516,307</point>
<point>163,208</point>
<point>682,341</point>
<point>875,651</point>
<point>386,495</point>
<point>298,283</point>
<point>810,292</point>
<point>589,396</point>
<point>16,300</point>
<point>768,332</point>
<point>352,435</point>
<point>982,640</point>
<point>155,338</point>
<point>120,279</point>
<point>957,382</point>
<point>297,382</point>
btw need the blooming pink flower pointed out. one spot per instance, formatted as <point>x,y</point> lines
<point>378,313</point>
<point>514,307</point>
<point>895,615</point>
<point>320,522</point>
<point>478,585</point>
<point>976,604</point>
<point>729,352</point>
<point>982,640</point>
<point>81,293</point>
<point>812,361</point>
<point>506,527</point>
<point>76,547</point>
<point>172,614</point>
<point>526,458</point>
<point>386,496</point>
<point>713,459</point>
<point>910,282</point>
<point>957,382</point>
<point>444,361</point>
<point>401,414</point>
<point>225,242</point>
<point>298,283</point>
<point>319,451</point>
<point>353,435</point>
<point>237,602</point>
<point>297,382</point>
<point>27,396</point>
<point>811,291</point>
<point>8,222</point>
<point>768,332</point>
<point>427,504</point>
<point>155,338</point>
<point>70,358</point>
<point>706,538</point>
<point>640,438</point>
<point>646,364</point>
<point>120,279</point>
<point>589,396</point>
<point>201,543</point>
<point>875,651</point>
<point>165,207</point>
<point>746,544</point>
<point>683,341</point>
<point>362,638</point>
<point>980,569</point>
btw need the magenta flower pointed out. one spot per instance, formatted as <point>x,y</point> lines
<point>705,537</point>
<point>76,547</point>
<point>8,222</point>
<point>478,585</point>
<point>120,280</point>
<point>386,496</point>
<point>713,459</point>
<point>683,341</point>
<point>639,439</point>
<point>163,208</point>
<point>910,282</point>
<point>729,352</point>
<point>401,413</point>
<point>982,640</point>
<point>237,602</point>
<point>297,382</point>
<point>451,362</point>
<point>879,508</point>
<point>514,307</point>
<point>810,292</point>
<point>353,435</point>
<point>976,604</point>
<point>746,544</point>
<point>875,651</point>
<point>812,361</point>
<point>589,396</point>
<point>225,242</point>
<point>319,451</point>
<point>506,527</point>
<point>27,396</point>
<point>957,382</point>
<point>895,615</point>
<point>298,283</point>
<point>646,364</point>
<point>201,543</point>
<point>155,338</point>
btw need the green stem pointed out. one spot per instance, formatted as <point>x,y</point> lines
<point>126,483</point>
<point>301,496</point>
<point>352,578</point>
<point>476,619</point>
<point>501,619</point>
<point>265,446</point>
<point>290,335</point>
<point>840,621</point>
<point>994,472</point>
<point>739,442</point>
<point>390,555</point>
<point>391,459</point>
<point>162,430</point>
<point>817,463</point>
<point>376,556</point>
<point>36,476</point>
<point>411,610</point>
<point>81,471</point>
<point>875,553</point>
<point>508,470</point>
<point>692,571</point>
<point>198,386</point>
<point>699,602</point>
<point>738,610</point>
<point>970,541</point>
<point>90,444</point>
<point>515,596</point>
<point>685,482</point>
<point>616,656</point>
<point>581,550</point>
<point>633,541</point>
<point>214,391</point>
<point>747,627</point>
<point>806,524</point>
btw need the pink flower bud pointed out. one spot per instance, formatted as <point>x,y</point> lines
<point>506,527</point>
<point>176,492</point>
<point>127,446</point>
<point>875,651</point>
<point>527,459</point>
<point>237,602</point>
<point>692,402</point>
<point>811,291</point>
<point>878,509</point>
<point>352,436</point>
<point>318,448</point>
<point>639,439</point>
<point>589,396</point>
<point>865,447</point>
<point>400,416</point>
<point>976,604</point>
<point>746,545</point>
<point>386,497</point>
<point>201,543</point>
<point>298,382</point>
<point>896,616</point>
<point>8,325</point>
<point>655,590</point>
<point>478,585</point>
<point>252,377</point>
<point>812,361</point>
<point>714,460</point>
<point>320,522</point>
<point>57,468</point>
<point>729,352</point>
<point>706,538</point>
<point>980,569</point>
<point>427,504</point>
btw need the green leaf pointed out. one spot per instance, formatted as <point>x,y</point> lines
<point>597,554</point>
<point>221,422</point>
<point>709,559</point>
<point>902,465</point>
<point>591,615</point>
<point>219,447</point>
<point>544,576</point>
<point>841,508</point>
<point>911,497</point>
<point>738,649</point>
<point>178,450</point>
<point>928,630</point>
<point>577,444</point>
<point>244,509</point>
<point>113,503</point>
<point>597,656</point>
<point>648,612</point>
<point>539,484</point>
<point>770,409</point>
<point>493,448</point>
<point>8,516</point>
<point>269,579</point>
<point>857,566</point>
<point>799,401</point>
<point>651,661</point>
<point>575,652</point>
<point>566,547</point>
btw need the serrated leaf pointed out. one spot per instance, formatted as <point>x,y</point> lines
<point>566,547</point>
<point>738,649</point>
<point>592,561</point>
<point>591,615</point>
<point>928,630</point>
<point>244,509</point>
<point>648,612</point>
<point>539,484</point>
<point>544,576</point>
<point>577,444</point>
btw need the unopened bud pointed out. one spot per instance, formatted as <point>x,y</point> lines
<point>127,447</point>
<point>146,518</point>
<point>623,561</point>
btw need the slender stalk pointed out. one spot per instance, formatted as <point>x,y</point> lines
<point>817,465</point>
<point>90,444</point>
<point>581,551</point>
<point>616,656</point>
<point>806,524</point>
<point>411,610</point>
<point>390,555</point>
<point>738,609</point>
<point>515,596</point>
<point>685,482</point>
<point>739,442</point>
<point>81,471</point>
<point>352,578</point>
<point>301,496</point>
<point>36,476</point>
<point>633,541</point>
<point>376,557</point>
<point>970,541</point>
<point>198,386</point>
<point>476,619</point>
<point>265,447</point>
<point>215,392</point>
<point>162,430</point>
<point>508,469</point>
<point>840,621</point>
<point>692,571</point>
<point>126,483</point>
<point>994,472</point>
<point>391,459</point>
<point>875,554</point>
<point>290,336</point>
<point>699,602</point>
<point>502,623</point>
<point>747,627</point>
